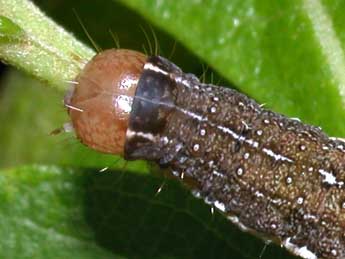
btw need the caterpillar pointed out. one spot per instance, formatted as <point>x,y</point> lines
<point>271,175</point>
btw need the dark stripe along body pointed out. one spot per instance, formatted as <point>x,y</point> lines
<point>271,175</point>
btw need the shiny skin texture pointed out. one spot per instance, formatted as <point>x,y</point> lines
<point>102,99</point>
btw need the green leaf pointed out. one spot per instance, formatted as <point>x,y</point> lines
<point>42,215</point>
<point>52,212</point>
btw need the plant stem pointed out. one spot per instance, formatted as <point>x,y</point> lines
<point>32,42</point>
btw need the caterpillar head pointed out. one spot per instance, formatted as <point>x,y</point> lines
<point>100,103</point>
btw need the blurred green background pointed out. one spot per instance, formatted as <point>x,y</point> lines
<point>54,201</point>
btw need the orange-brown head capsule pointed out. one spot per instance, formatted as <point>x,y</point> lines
<point>100,104</point>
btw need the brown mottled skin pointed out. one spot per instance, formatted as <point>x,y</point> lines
<point>279,178</point>
<point>102,125</point>
<point>279,199</point>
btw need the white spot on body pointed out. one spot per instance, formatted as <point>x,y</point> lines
<point>276,201</point>
<point>213,109</point>
<point>341,147</point>
<point>288,180</point>
<point>240,171</point>
<point>325,148</point>
<point>259,132</point>
<point>259,194</point>
<point>196,147</point>
<point>252,143</point>
<point>309,216</point>
<point>246,155</point>
<point>202,132</point>
<point>300,200</point>
<point>220,206</point>
<point>300,251</point>
<point>218,173</point>
<point>165,140</point>
<point>302,147</point>
<point>328,177</point>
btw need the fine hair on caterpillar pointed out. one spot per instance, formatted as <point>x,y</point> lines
<point>151,47</point>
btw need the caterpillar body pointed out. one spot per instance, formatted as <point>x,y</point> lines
<point>270,175</point>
